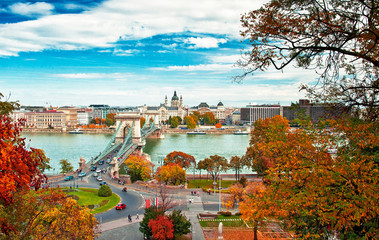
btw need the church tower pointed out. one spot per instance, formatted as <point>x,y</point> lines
<point>166,102</point>
<point>175,100</point>
<point>181,101</point>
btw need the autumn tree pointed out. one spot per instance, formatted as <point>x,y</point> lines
<point>66,166</point>
<point>252,204</point>
<point>142,122</point>
<point>109,120</point>
<point>218,125</point>
<point>196,115</point>
<point>171,173</point>
<point>215,165</point>
<point>150,213</point>
<point>181,158</point>
<point>26,210</point>
<point>266,134</point>
<point>191,123</point>
<point>161,228</point>
<point>318,193</point>
<point>139,168</point>
<point>339,39</point>
<point>209,118</point>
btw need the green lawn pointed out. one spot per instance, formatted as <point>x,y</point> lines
<point>88,197</point>
<point>204,183</point>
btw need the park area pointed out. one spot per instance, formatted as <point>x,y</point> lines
<point>89,198</point>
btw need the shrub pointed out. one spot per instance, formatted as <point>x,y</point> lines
<point>225,214</point>
<point>238,214</point>
<point>104,191</point>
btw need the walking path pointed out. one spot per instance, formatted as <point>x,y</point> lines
<point>119,223</point>
<point>194,208</point>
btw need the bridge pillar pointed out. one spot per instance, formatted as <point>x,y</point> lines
<point>127,119</point>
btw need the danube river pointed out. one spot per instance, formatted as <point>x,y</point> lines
<point>74,146</point>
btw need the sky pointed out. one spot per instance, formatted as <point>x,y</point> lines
<point>131,53</point>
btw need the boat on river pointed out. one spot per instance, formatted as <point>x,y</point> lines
<point>239,132</point>
<point>76,131</point>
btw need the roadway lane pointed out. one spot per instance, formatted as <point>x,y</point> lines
<point>132,199</point>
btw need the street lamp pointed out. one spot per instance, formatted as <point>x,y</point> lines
<point>219,200</point>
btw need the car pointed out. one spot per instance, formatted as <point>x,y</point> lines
<point>99,178</point>
<point>95,174</point>
<point>93,168</point>
<point>98,170</point>
<point>82,174</point>
<point>103,183</point>
<point>68,178</point>
<point>120,206</point>
<point>101,162</point>
<point>108,160</point>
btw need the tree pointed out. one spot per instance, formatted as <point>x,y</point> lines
<point>214,165</point>
<point>315,192</point>
<point>104,191</point>
<point>267,134</point>
<point>236,163</point>
<point>218,125</point>
<point>191,123</point>
<point>150,213</point>
<point>66,166</point>
<point>161,228</point>
<point>20,168</point>
<point>181,158</point>
<point>171,173</point>
<point>7,107</point>
<point>201,166</point>
<point>196,116</point>
<point>339,39</point>
<point>142,122</point>
<point>209,118</point>
<point>181,224</point>
<point>139,168</point>
<point>174,123</point>
<point>109,120</point>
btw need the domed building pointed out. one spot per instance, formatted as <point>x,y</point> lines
<point>165,111</point>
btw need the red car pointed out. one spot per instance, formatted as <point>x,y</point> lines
<point>120,206</point>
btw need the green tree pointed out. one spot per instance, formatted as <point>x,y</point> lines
<point>7,107</point>
<point>66,166</point>
<point>182,225</point>
<point>201,166</point>
<point>104,191</point>
<point>215,165</point>
<point>339,39</point>
<point>174,122</point>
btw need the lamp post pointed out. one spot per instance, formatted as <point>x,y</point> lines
<point>219,200</point>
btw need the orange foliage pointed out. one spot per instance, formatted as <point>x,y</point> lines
<point>181,158</point>
<point>161,228</point>
<point>171,173</point>
<point>218,125</point>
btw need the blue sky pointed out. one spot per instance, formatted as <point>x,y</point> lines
<point>127,53</point>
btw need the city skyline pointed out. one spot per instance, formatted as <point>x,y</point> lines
<point>123,54</point>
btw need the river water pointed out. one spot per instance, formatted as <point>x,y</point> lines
<point>74,146</point>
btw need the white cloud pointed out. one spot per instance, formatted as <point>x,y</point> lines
<point>113,20</point>
<point>200,67</point>
<point>128,52</point>
<point>31,9</point>
<point>206,42</point>
<point>116,76</point>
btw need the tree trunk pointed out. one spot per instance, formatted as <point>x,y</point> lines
<point>255,232</point>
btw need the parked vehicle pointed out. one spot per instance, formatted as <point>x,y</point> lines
<point>82,174</point>
<point>98,170</point>
<point>120,206</point>
<point>99,178</point>
<point>93,168</point>
<point>95,174</point>
<point>68,178</point>
<point>101,162</point>
<point>103,183</point>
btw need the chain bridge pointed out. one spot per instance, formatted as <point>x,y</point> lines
<point>129,137</point>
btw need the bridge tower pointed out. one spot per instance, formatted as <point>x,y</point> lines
<point>127,120</point>
<point>157,125</point>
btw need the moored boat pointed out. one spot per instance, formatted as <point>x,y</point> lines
<point>76,131</point>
